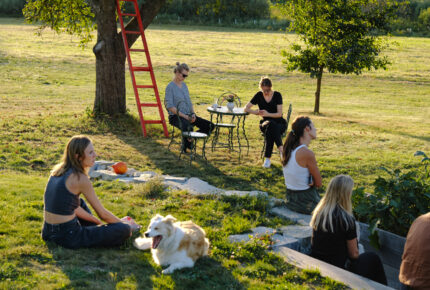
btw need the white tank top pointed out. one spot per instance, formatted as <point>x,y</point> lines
<point>296,177</point>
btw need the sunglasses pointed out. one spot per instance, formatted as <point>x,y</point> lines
<point>184,75</point>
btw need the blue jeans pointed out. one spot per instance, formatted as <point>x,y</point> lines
<point>75,234</point>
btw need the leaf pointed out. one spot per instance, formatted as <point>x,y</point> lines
<point>374,240</point>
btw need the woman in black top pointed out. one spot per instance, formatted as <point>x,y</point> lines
<point>270,109</point>
<point>334,236</point>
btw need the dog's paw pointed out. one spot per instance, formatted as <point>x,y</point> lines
<point>142,243</point>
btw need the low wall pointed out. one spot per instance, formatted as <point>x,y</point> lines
<point>390,252</point>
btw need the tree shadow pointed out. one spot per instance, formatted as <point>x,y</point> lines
<point>207,273</point>
<point>104,268</point>
<point>154,146</point>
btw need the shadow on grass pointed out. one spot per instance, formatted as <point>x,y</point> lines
<point>127,129</point>
<point>127,267</point>
<point>104,268</point>
<point>207,273</point>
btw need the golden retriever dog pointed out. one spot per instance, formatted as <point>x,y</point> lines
<point>176,244</point>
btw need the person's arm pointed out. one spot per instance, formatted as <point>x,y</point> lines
<point>311,164</point>
<point>352,247</point>
<point>186,117</point>
<point>278,113</point>
<point>83,214</point>
<point>249,110</point>
<point>86,188</point>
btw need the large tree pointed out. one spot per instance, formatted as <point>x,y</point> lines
<point>338,36</point>
<point>77,17</point>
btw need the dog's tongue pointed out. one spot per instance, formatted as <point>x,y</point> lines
<point>155,241</point>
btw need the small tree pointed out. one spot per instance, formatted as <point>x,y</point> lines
<point>76,17</point>
<point>337,36</point>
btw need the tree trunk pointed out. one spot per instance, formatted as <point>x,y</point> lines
<point>110,63</point>
<point>318,91</point>
<point>110,54</point>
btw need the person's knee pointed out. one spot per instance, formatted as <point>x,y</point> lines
<point>124,230</point>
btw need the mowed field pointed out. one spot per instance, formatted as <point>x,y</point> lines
<point>47,88</point>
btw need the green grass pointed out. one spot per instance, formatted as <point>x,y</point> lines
<point>377,119</point>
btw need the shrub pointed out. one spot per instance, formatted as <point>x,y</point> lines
<point>397,200</point>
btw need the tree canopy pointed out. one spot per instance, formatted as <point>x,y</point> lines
<point>338,36</point>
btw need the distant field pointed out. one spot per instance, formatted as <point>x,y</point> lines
<point>376,119</point>
<point>46,95</point>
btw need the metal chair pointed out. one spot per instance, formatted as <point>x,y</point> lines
<point>189,134</point>
<point>223,99</point>
<point>290,108</point>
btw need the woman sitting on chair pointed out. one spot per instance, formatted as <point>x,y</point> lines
<point>334,236</point>
<point>272,125</point>
<point>300,168</point>
<point>177,94</point>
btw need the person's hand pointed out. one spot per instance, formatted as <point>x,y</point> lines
<point>262,113</point>
<point>193,118</point>
<point>133,225</point>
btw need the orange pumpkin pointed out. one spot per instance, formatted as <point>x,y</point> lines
<point>119,167</point>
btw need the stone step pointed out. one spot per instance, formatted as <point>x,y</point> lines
<point>284,212</point>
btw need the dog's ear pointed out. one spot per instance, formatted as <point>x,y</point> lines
<point>169,219</point>
<point>158,217</point>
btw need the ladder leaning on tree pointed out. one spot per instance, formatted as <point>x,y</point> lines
<point>134,69</point>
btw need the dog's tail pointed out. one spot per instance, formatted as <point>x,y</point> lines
<point>143,243</point>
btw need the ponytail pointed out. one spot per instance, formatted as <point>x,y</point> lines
<point>293,138</point>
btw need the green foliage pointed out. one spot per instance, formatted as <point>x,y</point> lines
<point>397,200</point>
<point>424,19</point>
<point>69,16</point>
<point>11,7</point>
<point>336,36</point>
<point>153,188</point>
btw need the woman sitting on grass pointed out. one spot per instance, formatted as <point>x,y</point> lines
<point>300,168</point>
<point>68,221</point>
<point>334,236</point>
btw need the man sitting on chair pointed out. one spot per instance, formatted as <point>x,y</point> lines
<point>177,94</point>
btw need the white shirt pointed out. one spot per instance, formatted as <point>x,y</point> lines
<point>296,177</point>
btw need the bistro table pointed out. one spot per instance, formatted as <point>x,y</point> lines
<point>238,116</point>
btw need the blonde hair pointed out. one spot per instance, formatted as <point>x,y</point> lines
<point>181,67</point>
<point>74,151</point>
<point>338,194</point>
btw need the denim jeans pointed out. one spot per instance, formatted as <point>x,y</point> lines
<point>74,234</point>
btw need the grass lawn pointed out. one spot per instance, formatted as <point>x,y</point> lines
<point>377,119</point>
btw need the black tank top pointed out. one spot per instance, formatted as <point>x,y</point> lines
<point>58,199</point>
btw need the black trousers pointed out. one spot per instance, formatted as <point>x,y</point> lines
<point>83,234</point>
<point>204,126</point>
<point>273,132</point>
<point>369,265</point>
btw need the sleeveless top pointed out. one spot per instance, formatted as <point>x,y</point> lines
<point>58,199</point>
<point>296,177</point>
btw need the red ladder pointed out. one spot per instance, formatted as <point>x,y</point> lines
<point>148,68</point>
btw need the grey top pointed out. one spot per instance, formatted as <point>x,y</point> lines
<point>176,95</point>
<point>58,199</point>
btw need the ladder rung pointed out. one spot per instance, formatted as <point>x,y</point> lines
<point>140,68</point>
<point>128,14</point>
<point>148,104</point>
<point>153,122</point>
<point>137,49</point>
<point>144,86</point>
<point>131,32</point>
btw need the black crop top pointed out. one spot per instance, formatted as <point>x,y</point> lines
<point>58,199</point>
